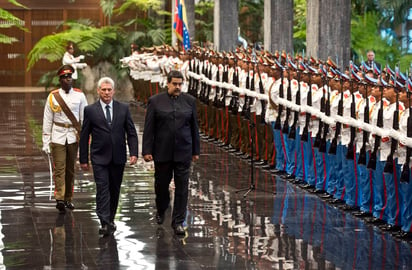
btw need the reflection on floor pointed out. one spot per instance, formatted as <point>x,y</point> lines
<point>291,229</point>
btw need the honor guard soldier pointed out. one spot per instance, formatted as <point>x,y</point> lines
<point>63,114</point>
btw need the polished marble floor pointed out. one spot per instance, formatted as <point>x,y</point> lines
<point>276,226</point>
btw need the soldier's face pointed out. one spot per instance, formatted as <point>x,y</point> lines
<point>66,82</point>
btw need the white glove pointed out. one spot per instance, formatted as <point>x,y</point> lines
<point>81,57</point>
<point>46,149</point>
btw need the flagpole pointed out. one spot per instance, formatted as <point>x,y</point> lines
<point>174,38</point>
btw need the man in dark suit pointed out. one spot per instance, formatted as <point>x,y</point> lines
<point>108,121</point>
<point>171,140</point>
<point>372,64</point>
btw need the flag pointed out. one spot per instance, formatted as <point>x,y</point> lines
<point>180,24</point>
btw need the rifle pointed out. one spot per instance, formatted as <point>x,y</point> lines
<point>318,137</point>
<point>285,128</point>
<point>334,143</point>
<point>292,131</point>
<point>190,86</point>
<point>217,89</point>
<point>208,86</point>
<point>246,104</point>
<point>394,143</point>
<point>322,144</point>
<point>305,132</point>
<point>278,125</point>
<point>225,78</point>
<point>350,153</point>
<point>203,84</point>
<point>405,175</point>
<point>372,160</point>
<point>250,100</point>
<point>234,102</point>
<point>362,152</point>
<point>262,101</point>
<point>196,82</point>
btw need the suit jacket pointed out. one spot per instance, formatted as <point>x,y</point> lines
<point>171,131</point>
<point>108,142</point>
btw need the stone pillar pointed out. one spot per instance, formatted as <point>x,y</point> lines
<point>328,30</point>
<point>226,22</point>
<point>278,25</point>
<point>190,13</point>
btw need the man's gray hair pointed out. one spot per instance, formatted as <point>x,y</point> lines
<point>105,80</point>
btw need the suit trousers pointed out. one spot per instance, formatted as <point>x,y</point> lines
<point>164,172</point>
<point>108,180</point>
<point>64,157</point>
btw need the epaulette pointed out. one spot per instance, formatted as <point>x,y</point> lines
<point>77,90</point>
<point>54,91</point>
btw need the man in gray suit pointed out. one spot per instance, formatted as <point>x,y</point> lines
<point>108,122</point>
<point>171,140</point>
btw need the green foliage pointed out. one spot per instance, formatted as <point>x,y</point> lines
<point>9,21</point>
<point>299,25</point>
<point>365,35</point>
<point>204,21</point>
<point>87,38</point>
<point>143,5</point>
<point>251,19</point>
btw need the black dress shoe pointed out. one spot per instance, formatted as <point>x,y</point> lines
<point>160,218</point>
<point>349,208</point>
<point>227,147</point>
<point>390,228</point>
<point>105,230</point>
<point>407,236</point>
<point>260,163</point>
<point>266,167</point>
<point>337,201</point>
<point>277,171</point>
<point>179,230</point>
<point>289,176</point>
<point>69,205</point>
<point>362,214</point>
<point>375,221</point>
<point>320,192</point>
<point>306,186</point>
<point>60,206</point>
<point>325,196</point>
<point>112,227</point>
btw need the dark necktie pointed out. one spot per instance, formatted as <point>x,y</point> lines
<point>108,117</point>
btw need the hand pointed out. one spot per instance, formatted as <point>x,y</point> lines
<point>46,149</point>
<point>133,160</point>
<point>195,157</point>
<point>148,158</point>
<point>81,57</point>
<point>84,166</point>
